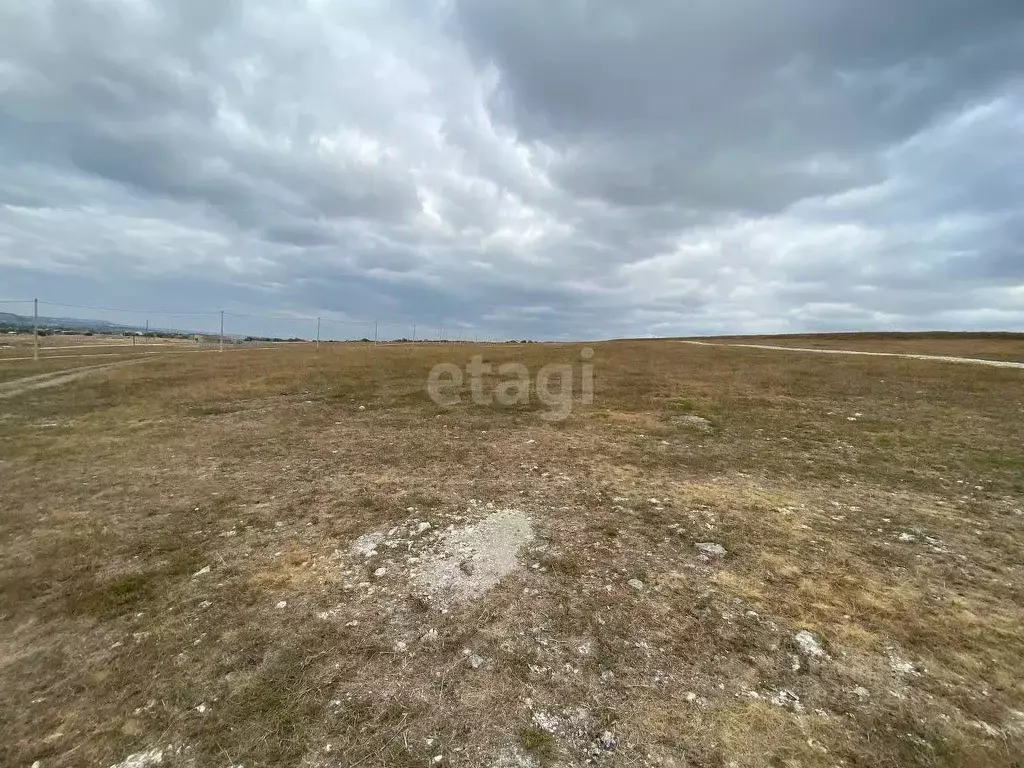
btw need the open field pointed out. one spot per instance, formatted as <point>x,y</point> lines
<point>190,566</point>
<point>19,347</point>
<point>987,346</point>
<point>59,353</point>
<point>22,342</point>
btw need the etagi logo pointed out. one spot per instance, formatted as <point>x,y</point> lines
<point>554,384</point>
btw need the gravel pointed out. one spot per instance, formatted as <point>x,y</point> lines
<point>692,420</point>
<point>366,545</point>
<point>492,545</point>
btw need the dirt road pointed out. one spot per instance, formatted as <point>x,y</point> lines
<point>935,358</point>
<point>55,379</point>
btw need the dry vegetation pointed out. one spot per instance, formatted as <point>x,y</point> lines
<point>875,503</point>
<point>62,353</point>
<point>56,345</point>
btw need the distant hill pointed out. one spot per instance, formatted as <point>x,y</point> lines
<point>6,318</point>
<point>11,321</point>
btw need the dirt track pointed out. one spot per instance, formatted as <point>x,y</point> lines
<point>55,379</point>
<point>936,358</point>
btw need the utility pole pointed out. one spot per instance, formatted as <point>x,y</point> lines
<point>35,329</point>
<point>222,330</point>
<point>318,333</point>
<point>414,332</point>
<point>374,331</point>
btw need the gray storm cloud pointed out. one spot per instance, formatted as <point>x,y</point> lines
<point>546,169</point>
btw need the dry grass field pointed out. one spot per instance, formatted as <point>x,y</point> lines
<point>20,345</point>
<point>61,353</point>
<point>223,560</point>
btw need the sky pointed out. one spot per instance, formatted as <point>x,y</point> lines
<point>547,169</point>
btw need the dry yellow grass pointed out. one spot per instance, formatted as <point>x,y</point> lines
<point>892,536</point>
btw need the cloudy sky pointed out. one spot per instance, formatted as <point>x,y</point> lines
<point>538,168</point>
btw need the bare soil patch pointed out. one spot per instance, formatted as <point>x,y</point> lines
<point>471,559</point>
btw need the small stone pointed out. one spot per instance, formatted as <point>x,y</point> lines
<point>710,548</point>
<point>282,604</point>
<point>545,721</point>
<point>202,571</point>
<point>380,572</point>
<point>636,584</point>
<point>362,407</point>
<point>476,661</point>
<point>693,420</point>
<point>423,527</point>
<point>401,646</point>
<point>787,700</point>
<point>861,692</point>
<point>809,644</point>
<point>902,667</point>
<point>437,759</point>
<point>606,741</point>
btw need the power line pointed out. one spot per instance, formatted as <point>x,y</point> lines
<point>310,318</point>
<point>351,322</point>
<point>128,311</point>
<point>271,317</point>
